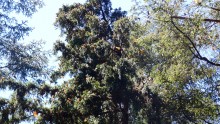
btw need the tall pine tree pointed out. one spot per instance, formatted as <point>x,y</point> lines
<point>97,57</point>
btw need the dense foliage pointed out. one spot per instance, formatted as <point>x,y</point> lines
<point>161,65</point>
<point>96,55</point>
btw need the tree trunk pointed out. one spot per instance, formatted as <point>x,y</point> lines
<point>125,116</point>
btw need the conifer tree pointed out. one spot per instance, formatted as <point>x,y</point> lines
<point>97,57</point>
<point>18,62</point>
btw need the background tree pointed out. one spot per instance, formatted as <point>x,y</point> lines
<point>183,36</point>
<point>17,59</point>
<point>18,62</point>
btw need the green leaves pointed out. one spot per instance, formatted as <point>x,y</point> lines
<point>178,38</point>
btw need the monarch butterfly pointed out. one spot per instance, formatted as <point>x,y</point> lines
<point>35,114</point>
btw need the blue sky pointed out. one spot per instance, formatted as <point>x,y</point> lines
<point>43,20</point>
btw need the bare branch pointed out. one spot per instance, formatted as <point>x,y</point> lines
<point>206,20</point>
<point>197,54</point>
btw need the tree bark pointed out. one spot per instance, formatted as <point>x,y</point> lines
<point>125,116</point>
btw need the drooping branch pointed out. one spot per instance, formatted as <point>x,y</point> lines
<point>206,20</point>
<point>196,53</point>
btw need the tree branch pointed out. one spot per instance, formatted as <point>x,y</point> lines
<point>206,20</point>
<point>188,38</point>
<point>197,54</point>
<point>216,9</point>
<point>105,18</point>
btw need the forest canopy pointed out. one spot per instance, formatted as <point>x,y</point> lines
<point>159,65</point>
